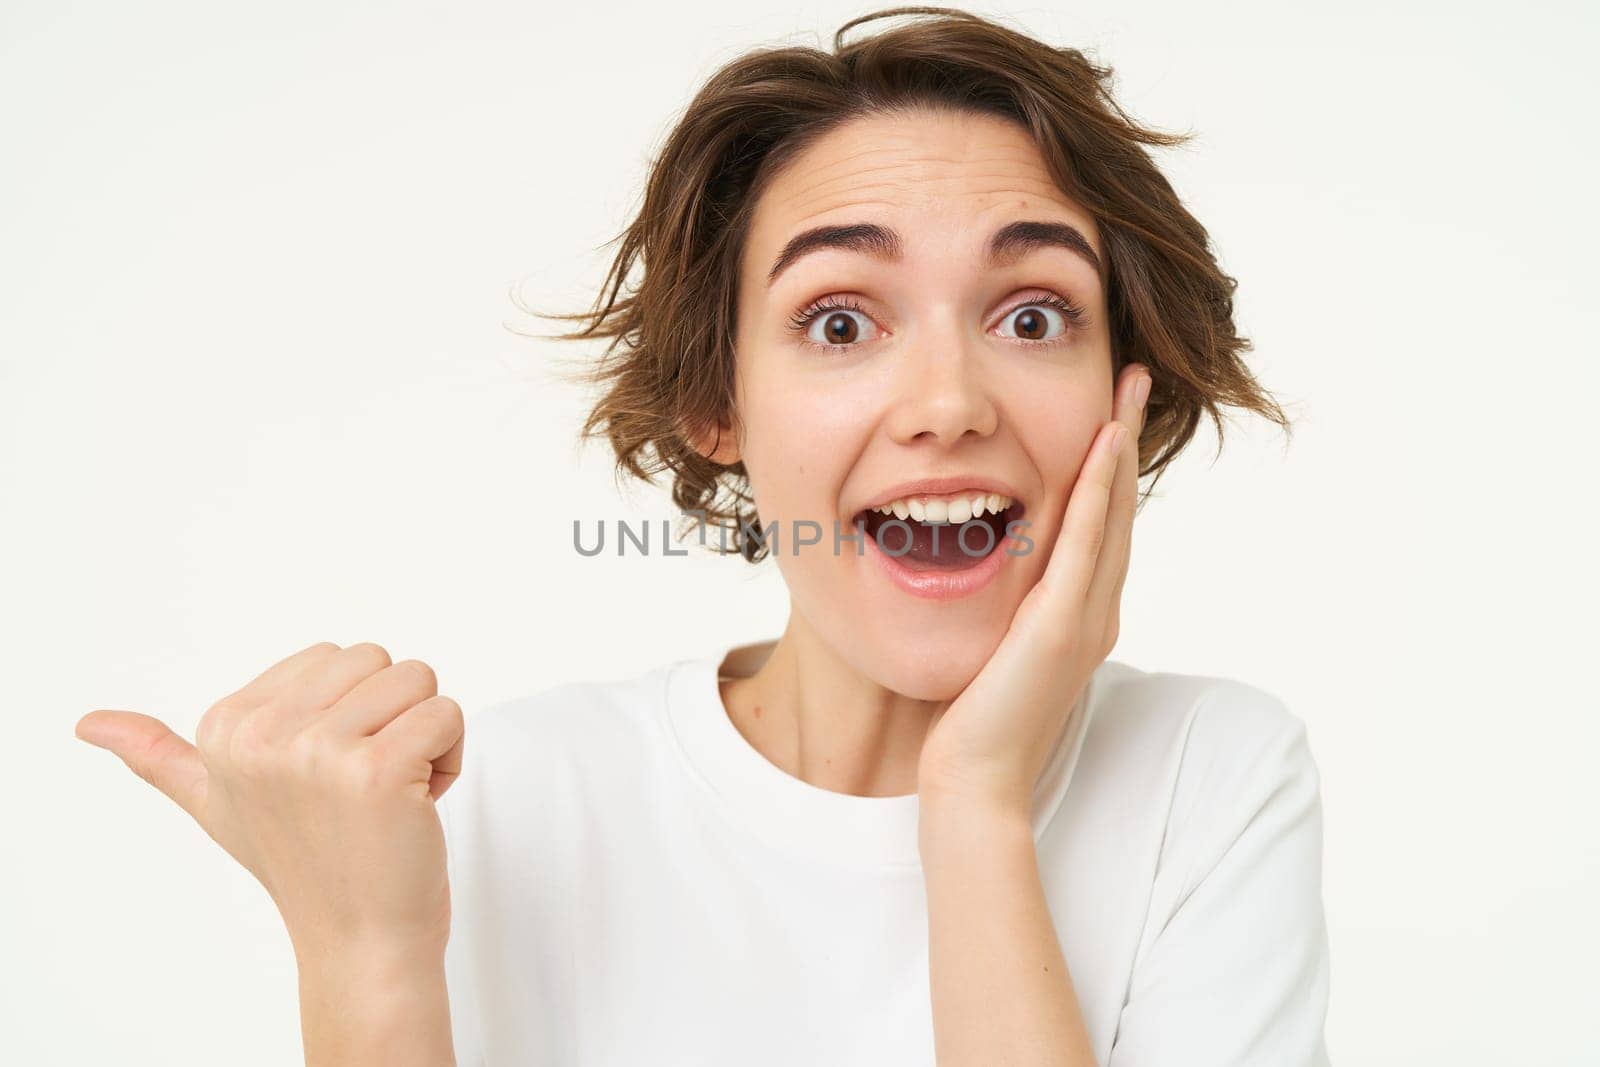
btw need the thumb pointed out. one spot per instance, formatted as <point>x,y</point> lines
<point>151,751</point>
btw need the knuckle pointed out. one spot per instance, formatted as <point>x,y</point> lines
<point>422,672</point>
<point>206,733</point>
<point>306,754</point>
<point>450,711</point>
<point>364,772</point>
<point>443,714</point>
<point>215,721</point>
<point>1064,639</point>
<point>372,650</point>
<point>250,751</point>
<point>228,705</point>
<point>1061,644</point>
<point>158,748</point>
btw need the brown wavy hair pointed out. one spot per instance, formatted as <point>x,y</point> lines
<point>670,361</point>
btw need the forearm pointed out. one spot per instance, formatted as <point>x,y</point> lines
<point>1000,988</point>
<point>361,1008</point>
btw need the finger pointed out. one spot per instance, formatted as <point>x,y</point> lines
<point>1112,566</point>
<point>151,751</point>
<point>215,731</point>
<point>1122,575</point>
<point>433,731</point>
<point>1078,545</point>
<point>379,698</point>
<point>324,684</point>
<point>271,681</point>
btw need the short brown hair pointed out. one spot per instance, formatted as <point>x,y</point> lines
<point>670,362</point>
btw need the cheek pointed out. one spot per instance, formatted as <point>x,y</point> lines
<point>1057,428</point>
<point>801,440</point>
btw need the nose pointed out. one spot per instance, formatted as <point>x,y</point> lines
<point>941,394</point>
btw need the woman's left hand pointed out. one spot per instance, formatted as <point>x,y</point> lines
<point>990,745</point>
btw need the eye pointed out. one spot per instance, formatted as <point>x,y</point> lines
<point>1033,319</point>
<point>833,322</point>
<point>839,322</point>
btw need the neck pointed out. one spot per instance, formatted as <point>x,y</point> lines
<point>819,719</point>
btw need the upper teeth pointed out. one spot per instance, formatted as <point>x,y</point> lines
<point>945,509</point>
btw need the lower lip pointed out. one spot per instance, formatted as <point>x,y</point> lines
<point>942,585</point>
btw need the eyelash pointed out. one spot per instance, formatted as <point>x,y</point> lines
<point>1077,317</point>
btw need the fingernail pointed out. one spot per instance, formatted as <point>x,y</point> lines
<point>1118,436</point>
<point>1141,392</point>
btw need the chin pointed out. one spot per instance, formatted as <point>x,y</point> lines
<point>935,667</point>
<point>916,648</point>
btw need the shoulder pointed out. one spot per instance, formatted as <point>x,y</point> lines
<point>1209,724</point>
<point>1203,756</point>
<point>1225,767</point>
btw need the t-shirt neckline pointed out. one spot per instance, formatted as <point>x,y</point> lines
<point>797,817</point>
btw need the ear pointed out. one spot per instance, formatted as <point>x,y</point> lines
<point>715,442</point>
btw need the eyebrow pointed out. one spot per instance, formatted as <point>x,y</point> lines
<point>1006,245</point>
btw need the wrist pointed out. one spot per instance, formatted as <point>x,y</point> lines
<point>322,945</point>
<point>363,1004</point>
<point>959,823</point>
<point>997,800</point>
<point>355,969</point>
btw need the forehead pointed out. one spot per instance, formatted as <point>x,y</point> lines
<point>950,169</point>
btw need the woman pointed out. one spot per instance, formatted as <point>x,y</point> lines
<point>914,317</point>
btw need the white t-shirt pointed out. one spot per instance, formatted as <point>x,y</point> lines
<point>633,883</point>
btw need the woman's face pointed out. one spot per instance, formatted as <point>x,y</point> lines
<point>901,361</point>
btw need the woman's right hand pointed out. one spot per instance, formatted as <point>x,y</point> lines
<point>320,777</point>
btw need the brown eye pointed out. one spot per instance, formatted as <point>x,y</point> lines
<point>832,326</point>
<point>1032,323</point>
<point>839,329</point>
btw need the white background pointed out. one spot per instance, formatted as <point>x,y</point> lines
<point>261,385</point>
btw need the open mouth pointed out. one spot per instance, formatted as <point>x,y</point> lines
<point>943,532</point>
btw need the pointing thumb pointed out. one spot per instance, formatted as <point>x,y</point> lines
<point>151,751</point>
